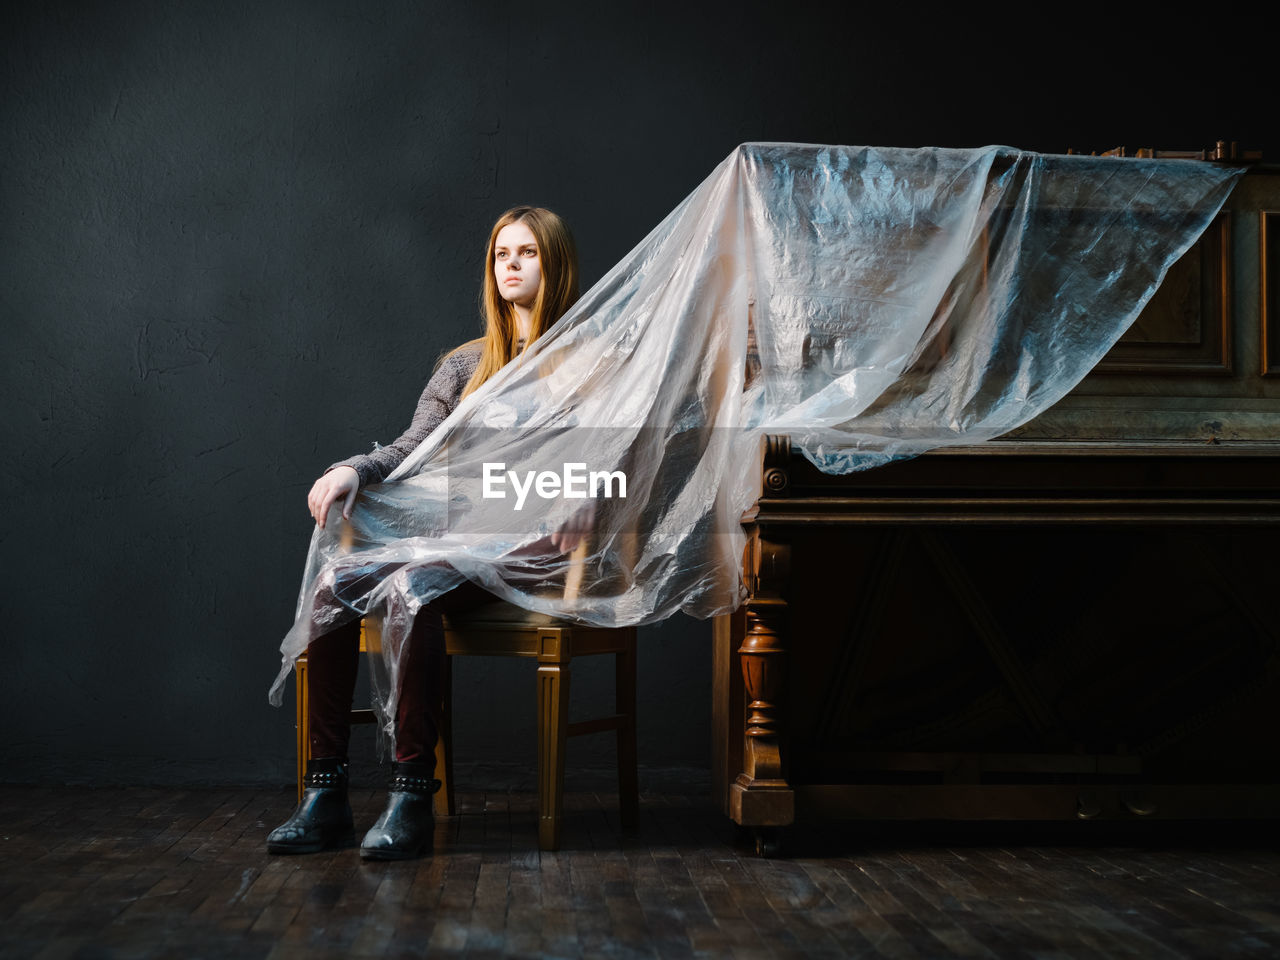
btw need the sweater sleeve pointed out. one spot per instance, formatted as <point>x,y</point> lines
<point>438,400</point>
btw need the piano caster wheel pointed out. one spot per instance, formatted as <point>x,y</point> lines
<point>1139,805</point>
<point>768,842</point>
<point>1087,806</point>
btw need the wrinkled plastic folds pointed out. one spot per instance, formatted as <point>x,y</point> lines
<point>870,303</point>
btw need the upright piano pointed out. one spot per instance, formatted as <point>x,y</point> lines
<point>1076,621</point>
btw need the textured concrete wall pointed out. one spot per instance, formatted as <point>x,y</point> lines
<point>235,236</point>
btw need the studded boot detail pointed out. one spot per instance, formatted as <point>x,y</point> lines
<point>323,815</point>
<point>406,826</point>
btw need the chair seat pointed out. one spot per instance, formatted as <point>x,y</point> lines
<point>502,612</point>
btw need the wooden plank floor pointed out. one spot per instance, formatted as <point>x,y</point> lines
<point>183,873</point>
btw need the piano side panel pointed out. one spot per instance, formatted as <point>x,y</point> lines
<point>727,713</point>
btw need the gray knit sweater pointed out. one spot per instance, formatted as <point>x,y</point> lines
<point>438,400</point>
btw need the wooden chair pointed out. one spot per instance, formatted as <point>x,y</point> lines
<point>505,630</point>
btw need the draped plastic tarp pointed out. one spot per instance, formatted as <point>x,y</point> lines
<point>871,303</point>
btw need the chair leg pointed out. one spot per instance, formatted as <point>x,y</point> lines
<point>553,721</point>
<point>625,707</point>
<point>303,694</point>
<point>444,801</point>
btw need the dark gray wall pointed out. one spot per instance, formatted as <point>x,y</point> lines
<point>235,236</point>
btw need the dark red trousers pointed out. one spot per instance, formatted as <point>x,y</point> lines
<point>333,660</point>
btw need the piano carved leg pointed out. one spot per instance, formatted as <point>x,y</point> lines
<point>760,797</point>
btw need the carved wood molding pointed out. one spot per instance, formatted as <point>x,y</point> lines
<point>1185,329</point>
<point>762,653</point>
<point>1269,287</point>
<point>761,794</point>
<point>763,657</point>
<point>1179,484</point>
<point>777,463</point>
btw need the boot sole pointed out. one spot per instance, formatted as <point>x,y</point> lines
<point>347,839</point>
<point>391,854</point>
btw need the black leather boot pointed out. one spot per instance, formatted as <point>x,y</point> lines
<point>404,830</point>
<point>323,816</point>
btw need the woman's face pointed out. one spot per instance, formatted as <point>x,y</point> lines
<point>516,265</point>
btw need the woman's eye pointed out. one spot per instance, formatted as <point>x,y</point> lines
<point>502,255</point>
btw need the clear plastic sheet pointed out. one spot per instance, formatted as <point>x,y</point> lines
<point>871,303</point>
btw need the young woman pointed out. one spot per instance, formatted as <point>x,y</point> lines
<point>530,280</point>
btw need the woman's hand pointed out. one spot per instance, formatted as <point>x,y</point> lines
<point>575,528</point>
<point>337,483</point>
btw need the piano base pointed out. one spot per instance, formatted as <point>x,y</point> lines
<point>762,803</point>
<point>1017,633</point>
<point>1139,801</point>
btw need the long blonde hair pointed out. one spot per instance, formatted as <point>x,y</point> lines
<point>558,291</point>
